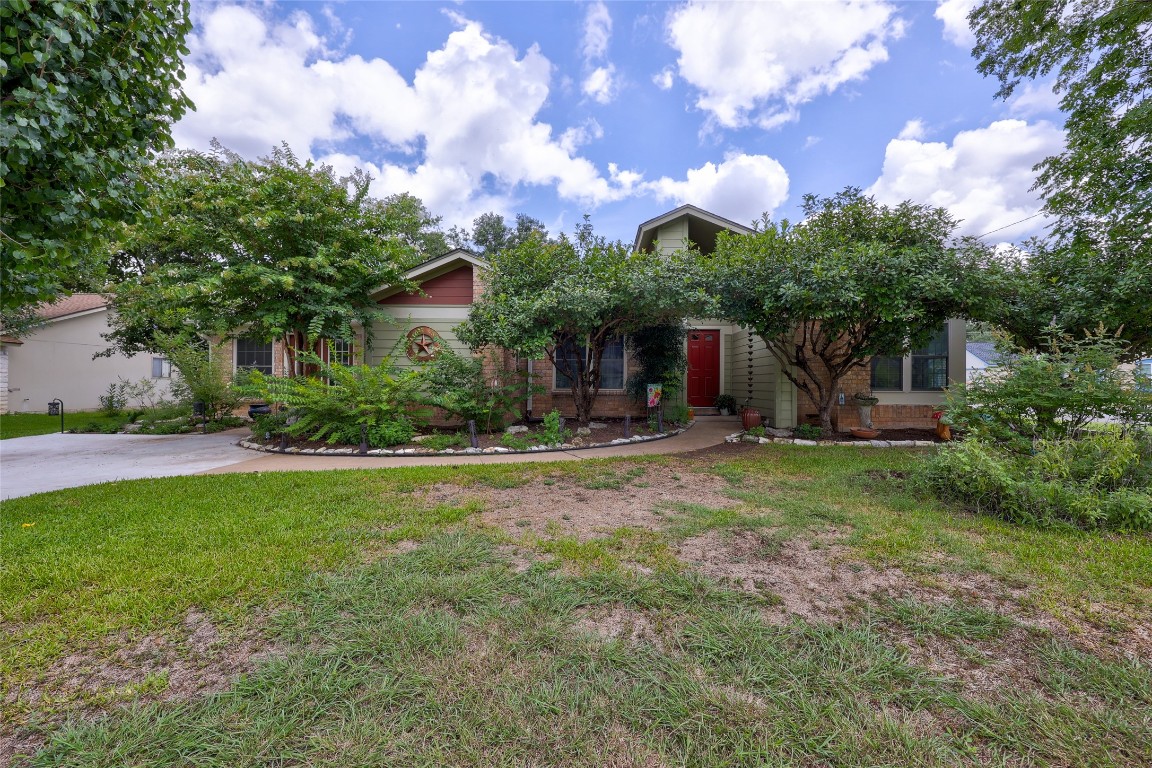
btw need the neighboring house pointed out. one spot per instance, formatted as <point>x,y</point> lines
<point>722,357</point>
<point>980,356</point>
<point>55,359</point>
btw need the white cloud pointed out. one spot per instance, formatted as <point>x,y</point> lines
<point>1032,99</point>
<point>983,178</point>
<point>463,135</point>
<point>664,78</point>
<point>740,188</point>
<point>913,129</point>
<point>759,62</point>
<point>954,15</point>
<point>600,81</point>
<point>812,141</point>
<point>600,84</point>
<point>597,31</point>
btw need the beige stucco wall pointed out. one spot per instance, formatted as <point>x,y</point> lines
<point>56,362</point>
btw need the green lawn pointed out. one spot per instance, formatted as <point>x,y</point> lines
<point>402,626</point>
<point>26,424</point>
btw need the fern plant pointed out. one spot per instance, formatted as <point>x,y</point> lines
<point>340,399</point>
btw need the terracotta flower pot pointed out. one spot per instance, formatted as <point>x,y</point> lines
<point>751,418</point>
<point>865,434</point>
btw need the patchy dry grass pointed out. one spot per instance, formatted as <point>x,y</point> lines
<point>777,606</point>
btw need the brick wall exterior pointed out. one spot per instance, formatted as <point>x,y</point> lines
<point>884,416</point>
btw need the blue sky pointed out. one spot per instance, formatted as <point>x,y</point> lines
<point>626,110</point>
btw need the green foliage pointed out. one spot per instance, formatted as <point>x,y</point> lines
<point>342,398</point>
<point>551,432</point>
<point>757,431</point>
<point>490,233</point>
<point>856,279</point>
<point>808,432</point>
<point>517,442</point>
<point>201,376</point>
<point>1101,480</point>
<point>1100,54</point>
<point>726,402</point>
<point>90,89</point>
<point>275,248</point>
<point>442,441</point>
<point>459,385</point>
<point>1097,55</point>
<point>543,296</point>
<point>658,356</point>
<point>113,400</point>
<point>1054,394</point>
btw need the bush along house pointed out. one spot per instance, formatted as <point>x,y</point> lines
<point>723,357</point>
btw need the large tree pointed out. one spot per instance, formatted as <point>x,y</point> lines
<point>276,248</point>
<point>1097,56</point>
<point>855,279</point>
<point>491,234</point>
<point>567,299</point>
<point>90,89</point>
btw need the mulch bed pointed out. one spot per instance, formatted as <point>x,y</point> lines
<point>612,429</point>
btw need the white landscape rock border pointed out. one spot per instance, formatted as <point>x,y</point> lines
<point>496,449</point>
<point>742,437</point>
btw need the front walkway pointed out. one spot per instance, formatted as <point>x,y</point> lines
<point>50,462</point>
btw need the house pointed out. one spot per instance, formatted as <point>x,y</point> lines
<point>979,357</point>
<point>722,357</point>
<point>55,360</point>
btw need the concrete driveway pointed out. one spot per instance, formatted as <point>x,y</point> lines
<point>49,462</point>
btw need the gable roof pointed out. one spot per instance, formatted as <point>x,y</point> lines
<point>72,305</point>
<point>454,259</point>
<point>984,351</point>
<point>705,221</point>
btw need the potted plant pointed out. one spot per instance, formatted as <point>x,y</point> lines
<point>864,402</point>
<point>726,404</point>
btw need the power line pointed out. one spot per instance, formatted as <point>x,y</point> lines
<point>1038,213</point>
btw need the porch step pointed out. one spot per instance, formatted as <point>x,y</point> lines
<point>705,410</point>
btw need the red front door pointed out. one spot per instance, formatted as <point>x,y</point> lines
<point>703,367</point>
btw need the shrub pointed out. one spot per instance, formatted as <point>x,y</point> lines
<point>458,385</point>
<point>517,442</point>
<point>551,433</point>
<point>659,356</point>
<point>201,377</point>
<point>112,402</point>
<point>1101,480</point>
<point>440,442</point>
<point>808,432</point>
<point>1053,394</point>
<point>333,405</point>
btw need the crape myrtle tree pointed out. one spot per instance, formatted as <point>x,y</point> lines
<point>855,279</point>
<point>89,90</point>
<point>274,248</point>
<point>567,299</point>
<point>1096,55</point>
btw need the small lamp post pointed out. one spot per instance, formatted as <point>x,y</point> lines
<point>201,410</point>
<point>56,408</point>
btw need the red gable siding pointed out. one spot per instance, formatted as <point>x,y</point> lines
<point>454,288</point>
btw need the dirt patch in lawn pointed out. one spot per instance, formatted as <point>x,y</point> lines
<point>811,580</point>
<point>192,660</point>
<point>589,506</point>
<point>618,622</point>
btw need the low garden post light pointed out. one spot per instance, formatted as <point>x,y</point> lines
<point>660,420</point>
<point>627,425</point>
<point>201,410</point>
<point>363,439</point>
<point>473,441</point>
<point>56,408</point>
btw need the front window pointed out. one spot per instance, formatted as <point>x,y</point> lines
<point>340,351</point>
<point>611,364</point>
<point>161,368</point>
<point>930,363</point>
<point>254,354</point>
<point>888,373</point>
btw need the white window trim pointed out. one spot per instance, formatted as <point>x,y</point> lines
<point>165,364</point>
<point>906,370</point>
